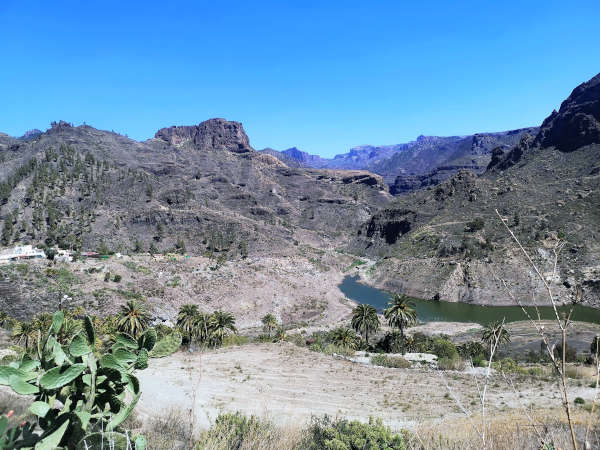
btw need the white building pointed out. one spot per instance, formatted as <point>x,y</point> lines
<point>21,252</point>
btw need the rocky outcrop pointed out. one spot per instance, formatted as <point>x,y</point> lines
<point>408,183</point>
<point>390,224</point>
<point>577,122</point>
<point>58,127</point>
<point>363,178</point>
<point>497,157</point>
<point>212,134</point>
<point>512,157</point>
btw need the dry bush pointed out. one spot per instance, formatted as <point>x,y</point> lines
<point>506,431</point>
<point>236,431</point>
<point>169,430</point>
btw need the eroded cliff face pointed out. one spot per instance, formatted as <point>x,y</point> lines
<point>212,134</point>
<point>577,122</point>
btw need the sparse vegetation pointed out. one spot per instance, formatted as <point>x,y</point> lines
<point>390,361</point>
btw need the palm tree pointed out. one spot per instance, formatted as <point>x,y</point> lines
<point>344,337</point>
<point>203,327</point>
<point>400,313</point>
<point>133,318</point>
<point>495,331</point>
<point>42,322</point>
<point>365,320</point>
<point>186,319</point>
<point>222,322</point>
<point>26,333</point>
<point>269,323</point>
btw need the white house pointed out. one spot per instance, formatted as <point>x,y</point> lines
<point>21,252</point>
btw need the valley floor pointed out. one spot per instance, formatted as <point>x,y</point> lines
<point>289,384</point>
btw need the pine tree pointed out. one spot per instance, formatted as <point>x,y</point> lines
<point>7,231</point>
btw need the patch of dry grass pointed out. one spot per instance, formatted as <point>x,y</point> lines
<point>506,431</point>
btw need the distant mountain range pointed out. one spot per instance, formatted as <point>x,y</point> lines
<point>426,161</point>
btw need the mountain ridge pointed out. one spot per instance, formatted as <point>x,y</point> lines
<point>425,161</point>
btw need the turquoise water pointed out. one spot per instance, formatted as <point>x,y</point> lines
<point>439,311</point>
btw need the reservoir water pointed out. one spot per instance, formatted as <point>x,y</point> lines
<point>440,311</point>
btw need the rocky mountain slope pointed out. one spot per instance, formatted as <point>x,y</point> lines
<point>203,187</point>
<point>427,161</point>
<point>447,241</point>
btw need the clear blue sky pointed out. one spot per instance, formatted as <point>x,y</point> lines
<point>323,76</point>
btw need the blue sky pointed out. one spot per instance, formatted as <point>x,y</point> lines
<point>322,76</point>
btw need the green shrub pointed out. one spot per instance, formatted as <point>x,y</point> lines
<point>327,434</point>
<point>396,362</point>
<point>167,345</point>
<point>480,362</point>
<point>472,350</point>
<point>443,348</point>
<point>392,342</point>
<point>117,278</point>
<point>535,371</point>
<point>508,365</point>
<point>316,347</point>
<point>475,225</point>
<point>235,339</point>
<point>579,401</point>
<point>107,276</point>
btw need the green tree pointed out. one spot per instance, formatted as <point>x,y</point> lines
<point>25,333</point>
<point>133,318</point>
<point>595,345</point>
<point>153,250</point>
<point>186,320</point>
<point>223,323</point>
<point>344,337</point>
<point>180,246</point>
<point>138,247</point>
<point>103,248</point>
<point>160,232</point>
<point>400,313</point>
<point>7,231</point>
<point>495,331</point>
<point>269,323</point>
<point>365,320</point>
<point>203,328</point>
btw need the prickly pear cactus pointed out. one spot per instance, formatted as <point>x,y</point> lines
<point>76,393</point>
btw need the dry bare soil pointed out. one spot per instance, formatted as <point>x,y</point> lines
<point>289,384</point>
